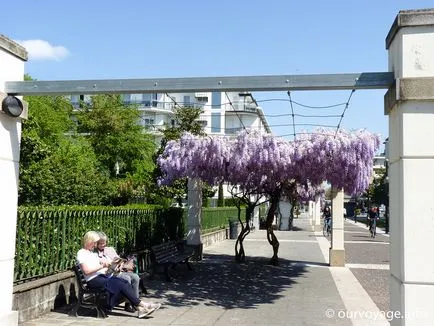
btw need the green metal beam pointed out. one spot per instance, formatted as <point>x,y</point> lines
<point>366,80</point>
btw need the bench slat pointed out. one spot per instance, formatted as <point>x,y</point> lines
<point>167,254</point>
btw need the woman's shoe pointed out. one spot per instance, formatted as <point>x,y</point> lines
<point>129,307</point>
<point>145,309</point>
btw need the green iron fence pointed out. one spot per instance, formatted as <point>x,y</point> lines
<point>218,217</point>
<point>48,239</point>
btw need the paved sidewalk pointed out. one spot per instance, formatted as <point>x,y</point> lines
<point>302,290</point>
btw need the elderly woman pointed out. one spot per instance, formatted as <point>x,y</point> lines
<point>107,255</point>
<point>94,274</point>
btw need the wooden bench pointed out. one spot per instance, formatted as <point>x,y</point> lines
<point>168,255</point>
<point>87,297</point>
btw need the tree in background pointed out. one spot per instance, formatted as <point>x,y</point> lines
<point>56,167</point>
<point>119,142</point>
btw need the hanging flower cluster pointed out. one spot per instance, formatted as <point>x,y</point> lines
<point>261,162</point>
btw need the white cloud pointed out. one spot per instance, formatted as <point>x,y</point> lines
<point>42,50</point>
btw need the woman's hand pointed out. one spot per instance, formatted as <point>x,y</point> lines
<point>105,264</point>
<point>129,266</point>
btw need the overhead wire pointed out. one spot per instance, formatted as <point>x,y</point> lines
<point>292,113</point>
<point>343,113</point>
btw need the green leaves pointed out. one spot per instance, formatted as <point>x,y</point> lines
<point>60,166</point>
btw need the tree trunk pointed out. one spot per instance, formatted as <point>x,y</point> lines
<point>240,256</point>
<point>272,240</point>
<point>220,200</point>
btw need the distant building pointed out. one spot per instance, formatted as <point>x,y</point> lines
<point>379,165</point>
<point>223,113</point>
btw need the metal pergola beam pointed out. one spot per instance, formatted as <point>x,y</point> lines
<point>366,80</point>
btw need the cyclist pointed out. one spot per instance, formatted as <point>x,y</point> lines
<point>372,221</point>
<point>327,218</point>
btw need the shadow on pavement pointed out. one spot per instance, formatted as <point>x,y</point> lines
<point>219,281</point>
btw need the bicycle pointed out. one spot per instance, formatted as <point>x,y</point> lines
<point>326,231</point>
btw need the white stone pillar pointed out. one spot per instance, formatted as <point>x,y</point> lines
<point>194,239</point>
<point>337,250</point>
<point>309,208</point>
<point>317,215</point>
<point>310,212</point>
<point>255,221</point>
<point>284,214</point>
<point>410,106</point>
<point>12,57</point>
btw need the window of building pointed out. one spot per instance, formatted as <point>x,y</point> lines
<point>136,98</point>
<point>127,98</point>
<point>154,97</point>
<point>187,101</point>
<point>216,100</point>
<point>75,100</point>
<point>215,122</point>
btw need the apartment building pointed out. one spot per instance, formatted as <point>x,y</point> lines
<point>223,113</point>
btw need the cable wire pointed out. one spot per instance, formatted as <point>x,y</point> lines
<point>343,113</point>
<point>300,104</point>
<point>292,112</point>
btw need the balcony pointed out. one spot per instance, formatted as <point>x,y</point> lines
<point>241,106</point>
<point>233,131</point>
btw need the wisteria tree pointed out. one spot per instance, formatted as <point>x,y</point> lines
<point>265,165</point>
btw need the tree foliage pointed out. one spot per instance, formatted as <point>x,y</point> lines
<point>57,168</point>
<point>186,120</point>
<point>61,164</point>
<point>115,134</point>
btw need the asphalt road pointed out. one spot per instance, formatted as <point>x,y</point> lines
<point>368,259</point>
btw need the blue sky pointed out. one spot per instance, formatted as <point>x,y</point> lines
<point>145,39</point>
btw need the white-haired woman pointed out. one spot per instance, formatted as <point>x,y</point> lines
<point>108,255</point>
<point>94,273</point>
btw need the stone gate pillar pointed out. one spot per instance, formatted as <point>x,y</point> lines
<point>12,58</point>
<point>337,249</point>
<point>410,106</point>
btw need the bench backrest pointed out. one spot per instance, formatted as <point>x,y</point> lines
<point>79,276</point>
<point>164,250</point>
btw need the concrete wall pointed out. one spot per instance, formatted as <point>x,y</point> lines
<point>209,239</point>
<point>35,298</point>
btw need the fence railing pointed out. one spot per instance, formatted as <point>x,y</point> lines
<point>218,217</point>
<point>48,239</point>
